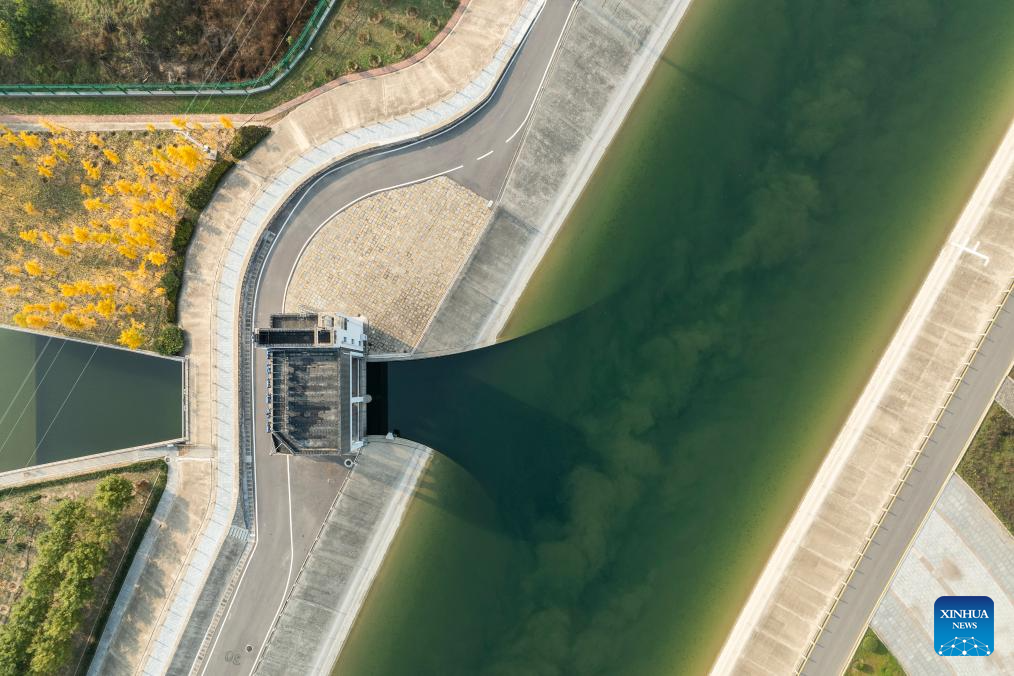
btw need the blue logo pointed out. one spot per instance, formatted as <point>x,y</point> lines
<point>963,626</point>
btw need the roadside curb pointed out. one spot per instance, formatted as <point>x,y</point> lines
<point>374,554</point>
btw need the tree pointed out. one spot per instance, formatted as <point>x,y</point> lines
<point>20,21</point>
<point>170,340</point>
<point>42,581</point>
<point>50,647</point>
<point>131,336</point>
<point>8,39</point>
<point>113,494</point>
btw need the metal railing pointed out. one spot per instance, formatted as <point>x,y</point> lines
<point>916,455</point>
<point>265,82</point>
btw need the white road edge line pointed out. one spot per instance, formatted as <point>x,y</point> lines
<point>253,457</point>
<point>313,236</point>
<point>246,565</point>
<point>257,523</point>
<point>411,140</point>
<point>288,578</point>
<point>545,74</point>
<point>520,126</point>
<point>482,157</point>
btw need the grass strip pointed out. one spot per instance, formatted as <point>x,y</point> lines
<point>873,657</point>
<point>358,36</point>
<point>91,533</point>
<point>988,465</point>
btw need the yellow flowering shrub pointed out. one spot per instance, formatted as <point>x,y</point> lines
<point>87,224</point>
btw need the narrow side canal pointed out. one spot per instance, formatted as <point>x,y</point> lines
<point>62,399</point>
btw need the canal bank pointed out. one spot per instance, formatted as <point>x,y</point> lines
<point>708,326</point>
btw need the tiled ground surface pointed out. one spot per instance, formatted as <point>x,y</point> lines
<point>391,258</point>
<point>1005,397</point>
<point>963,550</point>
<point>443,87</point>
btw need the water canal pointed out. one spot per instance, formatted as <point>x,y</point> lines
<point>62,399</point>
<point>612,479</point>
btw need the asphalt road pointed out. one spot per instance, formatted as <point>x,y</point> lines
<point>960,421</point>
<point>294,494</point>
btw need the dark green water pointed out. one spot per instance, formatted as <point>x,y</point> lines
<point>613,479</point>
<point>63,399</point>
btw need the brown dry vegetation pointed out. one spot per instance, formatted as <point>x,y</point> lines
<point>115,41</point>
<point>86,225</point>
<point>357,35</point>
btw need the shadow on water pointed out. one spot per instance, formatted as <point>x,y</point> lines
<point>693,339</point>
<point>516,451</point>
<point>62,399</point>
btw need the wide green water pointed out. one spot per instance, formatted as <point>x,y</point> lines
<point>63,399</point>
<point>612,480</point>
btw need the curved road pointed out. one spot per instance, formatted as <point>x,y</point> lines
<point>294,494</point>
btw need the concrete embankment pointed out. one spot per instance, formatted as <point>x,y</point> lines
<point>825,552</point>
<point>602,61</point>
<point>91,463</point>
<point>333,582</point>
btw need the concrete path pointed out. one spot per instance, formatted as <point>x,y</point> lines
<point>963,550</point>
<point>600,65</point>
<point>834,560</point>
<point>285,528</point>
<point>143,600</point>
<point>92,463</point>
<point>333,583</point>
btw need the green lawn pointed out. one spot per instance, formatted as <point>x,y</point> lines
<point>872,657</point>
<point>360,35</point>
<point>988,465</point>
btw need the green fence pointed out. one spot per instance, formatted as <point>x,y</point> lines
<point>265,82</point>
